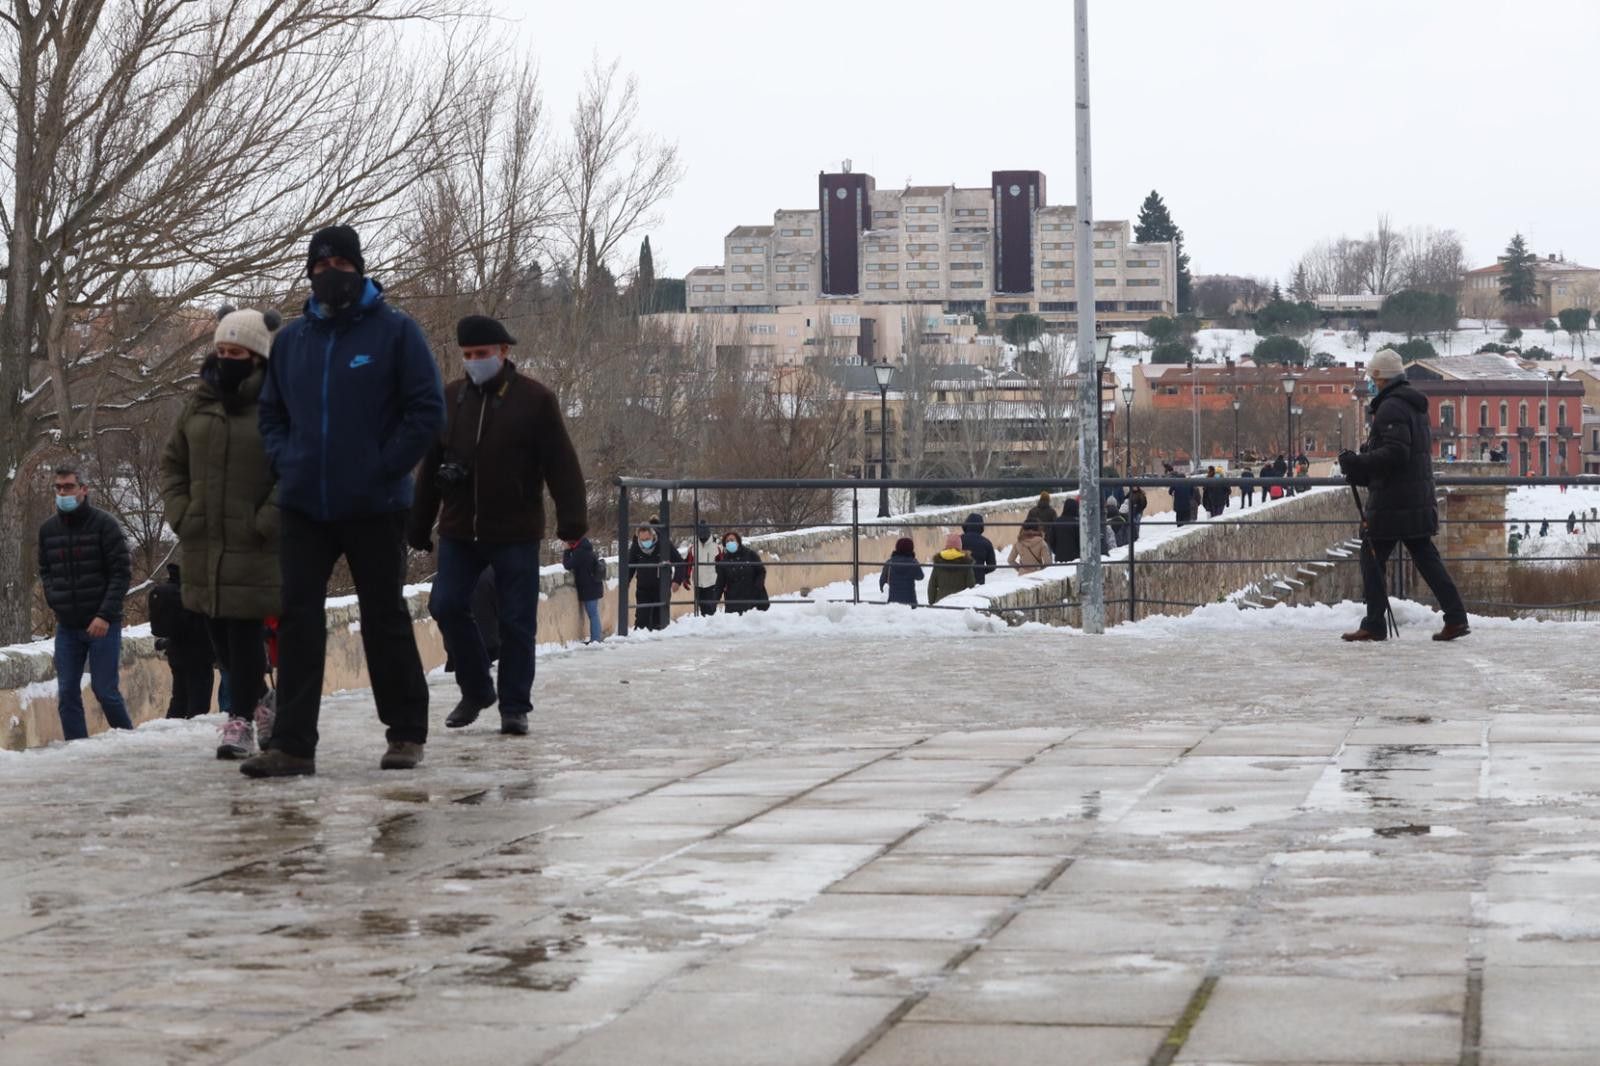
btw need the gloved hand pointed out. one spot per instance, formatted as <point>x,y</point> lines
<point>162,643</point>
<point>1347,460</point>
<point>419,540</point>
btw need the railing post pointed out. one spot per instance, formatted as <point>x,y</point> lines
<point>666,555</point>
<point>1133,546</point>
<point>622,560</point>
<point>694,571</point>
<point>855,544</point>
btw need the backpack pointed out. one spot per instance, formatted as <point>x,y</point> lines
<point>602,572</point>
<point>1276,492</point>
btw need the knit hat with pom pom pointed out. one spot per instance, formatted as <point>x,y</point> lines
<point>248,329</point>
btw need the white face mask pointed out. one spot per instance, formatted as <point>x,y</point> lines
<point>483,371</point>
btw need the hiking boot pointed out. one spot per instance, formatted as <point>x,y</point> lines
<point>238,739</point>
<point>514,725</point>
<point>1452,630</point>
<point>402,755</point>
<point>266,714</point>
<point>1360,635</point>
<point>466,713</point>
<point>275,763</point>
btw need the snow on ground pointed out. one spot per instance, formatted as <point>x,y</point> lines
<point>1527,508</point>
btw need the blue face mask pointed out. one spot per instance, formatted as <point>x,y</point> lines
<point>731,545</point>
<point>66,504</point>
<point>647,544</point>
<point>1372,387</point>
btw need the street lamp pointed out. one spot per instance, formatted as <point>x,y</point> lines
<point>1341,431</point>
<point>1288,414</point>
<point>884,373</point>
<point>1299,426</point>
<point>1102,351</point>
<point>1127,414</point>
<point>1236,431</point>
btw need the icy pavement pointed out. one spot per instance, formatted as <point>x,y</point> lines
<point>835,835</point>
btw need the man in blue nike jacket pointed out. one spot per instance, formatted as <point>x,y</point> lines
<point>351,402</point>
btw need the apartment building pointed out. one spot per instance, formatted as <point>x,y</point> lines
<point>1558,283</point>
<point>1001,250</point>
<point>1486,402</point>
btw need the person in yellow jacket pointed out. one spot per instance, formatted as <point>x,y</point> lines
<point>952,570</point>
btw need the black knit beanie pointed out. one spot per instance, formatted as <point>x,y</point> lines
<point>333,241</point>
<point>481,331</point>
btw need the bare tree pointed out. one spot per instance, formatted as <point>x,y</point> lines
<point>168,149</point>
<point>1381,257</point>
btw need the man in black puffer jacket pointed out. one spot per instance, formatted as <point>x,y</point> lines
<point>1396,465</point>
<point>85,569</point>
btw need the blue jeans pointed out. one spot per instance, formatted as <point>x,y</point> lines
<point>73,647</point>
<point>592,609</point>
<point>516,579</point>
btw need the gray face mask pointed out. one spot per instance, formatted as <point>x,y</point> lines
<point>483,371</point>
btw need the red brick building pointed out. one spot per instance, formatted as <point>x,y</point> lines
<point>1326,398</point>
<point>1486,402</point>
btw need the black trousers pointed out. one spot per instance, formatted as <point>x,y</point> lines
<point>241,647</point>
<point>705,600</point>
<point>1429,566</point>
<point>375,549</point>
<point>191,682</point>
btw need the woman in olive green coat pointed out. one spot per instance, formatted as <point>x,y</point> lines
<point>220,499</point>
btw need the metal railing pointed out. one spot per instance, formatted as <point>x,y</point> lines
<point>676,570</point>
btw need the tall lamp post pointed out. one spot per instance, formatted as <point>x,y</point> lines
<point>1341,431</point>
<point>1288,415</point>
<point>1102,353</point>
<point>1236,431</point>
<point>1127,432</point>
<point>1298,426</point>
<point>884,373</point>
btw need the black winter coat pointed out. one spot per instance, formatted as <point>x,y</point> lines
<point>980,547</point>
<point>1063,533</point>
<point>1183,501</point>
<point>900,575</point>
<point>185,631</point>
<point>1396,463</point>
<point>585,565</point>
<point>84,566</point>
<point>655,572</point>
<point>741,580</point>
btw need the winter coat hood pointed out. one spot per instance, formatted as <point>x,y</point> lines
<point>973,524</point>
<point>1402,390</point>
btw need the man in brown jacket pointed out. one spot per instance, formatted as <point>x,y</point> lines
<point>503,443</point>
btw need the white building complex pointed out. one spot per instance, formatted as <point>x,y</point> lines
<point>1000,250</point>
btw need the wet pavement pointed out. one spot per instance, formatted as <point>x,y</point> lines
<point>964,846</point>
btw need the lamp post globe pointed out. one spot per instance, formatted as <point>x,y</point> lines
<point>884,373</point>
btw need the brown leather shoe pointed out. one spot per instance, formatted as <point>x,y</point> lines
<point>1360,635</point>
<point>402,755</point>
<point>1452,630</point>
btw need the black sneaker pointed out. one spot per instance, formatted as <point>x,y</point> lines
<point>402,755</point>
<point>466,713</point>
<point>514,725</point>
<point>275,763</point>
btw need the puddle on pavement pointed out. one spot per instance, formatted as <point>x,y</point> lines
<point>516,969</point>
<point>1390,832</point>
<point>1412,719</point>
<point>1091,805</point>
<point>407,795</point>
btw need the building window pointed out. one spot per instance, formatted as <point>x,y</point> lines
<point>1143,264</point>
<point>1010,308</point>
<point>1447,417</point>
<point>763,328</point>
<point>966,284</point>
<point>807,231</point>
<point>1544,416</point>
<point>1104,283</point>
<point>1105,244</point>
<point>1105,305</point>
<point>1142,282</point>
<point>1059,306</point>
<point>1522,415</point>
<point>786,233</point>
<point>966,266</point>
<point>1483,414</point>
<point>1505,416</point>
<point>885,214</point>
<point>1142,305</point>
<point>1103,264</point>
<point>1561,414</point>
<point>1057,264</point>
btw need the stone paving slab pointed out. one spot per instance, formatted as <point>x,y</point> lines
<point>1338,870</point>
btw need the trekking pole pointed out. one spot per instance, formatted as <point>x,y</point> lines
<point>1368,550</point>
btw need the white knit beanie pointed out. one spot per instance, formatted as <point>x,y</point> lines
<point>248,329</point>
<point>1387,365</point>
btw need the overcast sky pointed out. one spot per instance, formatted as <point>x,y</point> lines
<point>1266,124</point>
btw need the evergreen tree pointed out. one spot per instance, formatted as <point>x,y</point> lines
<point>1277,294</point>
<point>599,280</point>
<point>1154,226</point>
<point>1518,286</point>
<point>1299,288</point>
<point>645,281</point>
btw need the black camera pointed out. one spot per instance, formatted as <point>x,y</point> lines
<point>452,475</point>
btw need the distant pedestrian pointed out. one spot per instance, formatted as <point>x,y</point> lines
<point>1030,553</point>
<point>1116,527</point>
<point>1137,502</point>
<point>1247,491</point>
<point>980,547</point>
<point>952,570</point>
<point>1544,528</point>
<point>1572,521</point>
<point>1183,499</point>
<point>1063,534</point>
<point>655,568</point>
<point>181,636</point>
<point>1042,512</point>
<point>588,578</point>
<point>741,576</point>
<point>1397,467</point>
<point>703,567</point>
<point>901,573</point>
<point>1214,495</point>
<point>84,569</point>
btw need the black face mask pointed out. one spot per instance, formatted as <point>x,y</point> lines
<point>337,289</point>
<point>231,373</point>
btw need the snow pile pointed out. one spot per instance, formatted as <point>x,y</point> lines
<point>1527,508</point>
<point>159,734</point>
